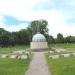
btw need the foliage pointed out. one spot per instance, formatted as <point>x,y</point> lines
<point>39,26</point>
<point>60,38</point>
<point>14,38</point>
<point>70,39</point>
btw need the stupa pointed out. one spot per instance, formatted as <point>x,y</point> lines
<point>39,42</point>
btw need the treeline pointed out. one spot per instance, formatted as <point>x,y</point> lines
<point>14,38</point>
<point>24,36</point>
<point>61,39</point>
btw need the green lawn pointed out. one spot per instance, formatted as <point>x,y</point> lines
<point>9,50</point>
<point>68,46</point>
<point>61,66</point>
<point>59,53</point>
<point>17,47</point>
<point>13,66</point>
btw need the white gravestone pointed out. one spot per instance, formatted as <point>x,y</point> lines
<point>12,56</point>
<point>54,56</point>
<point>4,56</point>
<point>66,55</point>
<point>23,56</point>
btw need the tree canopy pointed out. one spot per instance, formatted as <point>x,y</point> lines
<point>39,26</point>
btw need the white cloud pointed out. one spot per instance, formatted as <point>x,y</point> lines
<point>24,10</point>
<point>13,27</point>
<point>17,8</point>
<point>16,28</point>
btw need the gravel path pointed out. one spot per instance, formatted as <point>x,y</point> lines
<point>38,65</point>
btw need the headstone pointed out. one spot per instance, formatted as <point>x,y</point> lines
<point>12,56</point>
<point>4,56</point>
<point>27,52</point>
<point>66,55</point>
<point>51,51</point>
<point>57,50</point>
<point>20,52</point>
<point>60,50</point>
<point>54,56</point>
<point>23,57</point>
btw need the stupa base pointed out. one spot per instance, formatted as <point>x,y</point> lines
<point>40,50</point>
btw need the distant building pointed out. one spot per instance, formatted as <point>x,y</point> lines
<point>39,42</point>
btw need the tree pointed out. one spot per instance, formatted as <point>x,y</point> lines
<point>70,39</point>
<point>60,38</point>
<point>51,39</point>
<point>24,36</point>
<point>21,37</point>
<point>39,26</point>
<point>4,38</point>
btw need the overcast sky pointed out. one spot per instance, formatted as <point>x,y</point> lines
<point>60,14</point>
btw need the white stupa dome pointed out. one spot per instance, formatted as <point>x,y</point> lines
<point>38,38</point>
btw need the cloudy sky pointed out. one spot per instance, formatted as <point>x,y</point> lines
<point>17,14</point>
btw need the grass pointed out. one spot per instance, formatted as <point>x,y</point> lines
<point>10,66</point>
<point>69,46</point>
<point>17,47</point>
<point>61,66</point>
<point>9,50</point>
<point>13,66</point>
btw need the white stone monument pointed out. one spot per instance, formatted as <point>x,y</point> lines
<point>39,42</point>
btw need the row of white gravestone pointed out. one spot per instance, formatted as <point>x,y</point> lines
<point>58,50</point>
<point>21,51</point>
<point>61,55</point>
<point>14,56</point>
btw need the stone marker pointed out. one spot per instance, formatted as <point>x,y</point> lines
<point>23,57</point>
<point>20,52</point>
<point>54,56</point>
<point>51,51</point>
<point>12,56</point>
<point>4,56</point>
<point>66,55</point>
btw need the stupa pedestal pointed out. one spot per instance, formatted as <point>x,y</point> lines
<point>39,45</point>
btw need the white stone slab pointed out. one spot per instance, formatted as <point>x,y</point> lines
<point>57,50</point>
<point>23,56</point>
<point>20,52</point>
<point>54,56</point>
<point>60,50</point>
<point>27,52</point>
<point>66,55</point>
<point>63,50</point>
<point>12,56</point>
<point>4,56</point>
<point>51,51</point>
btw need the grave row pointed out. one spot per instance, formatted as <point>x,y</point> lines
<point>61,55</point>
<point>57,50</point>
<point>21,51</point>
<point>14,56</point>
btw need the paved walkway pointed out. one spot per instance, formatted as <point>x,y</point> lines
<point>38,65</point>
